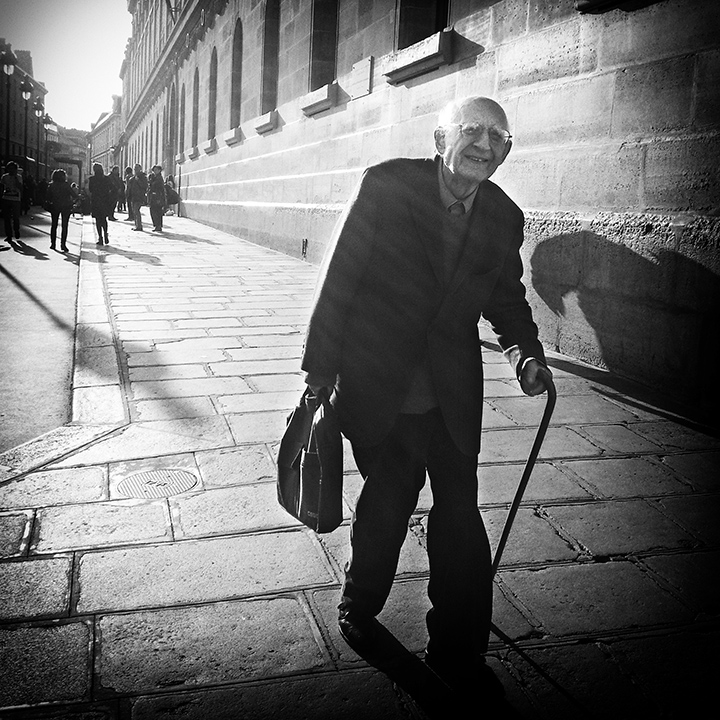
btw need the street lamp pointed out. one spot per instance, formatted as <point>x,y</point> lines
<point>9,61</point>
<point>47,122</point>
<point>26,87</point>
<point>39,108</point>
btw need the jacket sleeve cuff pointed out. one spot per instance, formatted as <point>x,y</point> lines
<point>317,380</point>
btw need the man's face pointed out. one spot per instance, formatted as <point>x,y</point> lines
<point>138,169</point>
<point>473,158</point>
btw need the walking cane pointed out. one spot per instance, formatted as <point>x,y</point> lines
<point>532,457</point>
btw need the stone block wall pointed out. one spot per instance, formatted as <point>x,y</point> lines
<point>615,118</point>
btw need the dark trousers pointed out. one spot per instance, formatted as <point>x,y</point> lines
<point>156,214</point>
<point>137,213</point>
<point>101,226</point>
<point>11,216</point>
<point>460,587</point>
<point>54,217</point>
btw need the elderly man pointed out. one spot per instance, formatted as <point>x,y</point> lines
<point>424,248</point>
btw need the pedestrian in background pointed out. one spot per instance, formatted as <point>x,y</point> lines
<point>156,198</point>
<point>12,189</point>
<point>61,198</point>
<point>425,247</point>
<point>118,188</point>
<point>136,192</point>
<point>77,204</point>
<point>171,196</point>
<point>102,200</point>
<point>40,189</point>
<point>28,183</point>
<point>128,174</point>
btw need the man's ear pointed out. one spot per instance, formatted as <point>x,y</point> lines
<point>439,135</point>
<point>506,152</point>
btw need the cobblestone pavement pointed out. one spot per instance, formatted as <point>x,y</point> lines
<point>147,571</point>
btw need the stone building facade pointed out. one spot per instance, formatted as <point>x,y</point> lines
<point>267,112</point>
<point>105,138</point>
<point>22,132</point>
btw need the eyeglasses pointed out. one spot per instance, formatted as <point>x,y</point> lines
<point>496,136</point>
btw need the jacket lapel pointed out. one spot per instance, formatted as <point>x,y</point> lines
<point>428,216</point>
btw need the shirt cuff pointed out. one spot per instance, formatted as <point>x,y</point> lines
<point>518,361</point>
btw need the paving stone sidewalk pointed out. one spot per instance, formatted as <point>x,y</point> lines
<point>146,570</point>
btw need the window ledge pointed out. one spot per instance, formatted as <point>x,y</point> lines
<point>267,122</point>
<point>210,146</point>
<point>193,152</point>
<point>319,100</point>
<point>233,137</point>
<point>180,158</point>
<point>420,58</point>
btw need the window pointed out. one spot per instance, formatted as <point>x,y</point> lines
<point>323,43</point>
<point>212,95</point>
<point>172,119</point>
<point>418,19</point>
<point>195,108</point>
<point>181,128</point>
<point>271,52</point>
<point>236,77</point>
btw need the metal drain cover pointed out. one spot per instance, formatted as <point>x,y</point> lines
<point>157,483</point>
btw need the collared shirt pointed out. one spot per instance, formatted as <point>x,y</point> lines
<point>448,199</point>
<point>422,396</point>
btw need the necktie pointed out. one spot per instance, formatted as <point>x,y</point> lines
<point>457,208</point>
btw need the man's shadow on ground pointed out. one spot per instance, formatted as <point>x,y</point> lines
<point>654,319</point>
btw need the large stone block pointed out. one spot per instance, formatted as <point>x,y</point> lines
<point>202,645</point>
<point>45,664</point>
<point>594,598</point>
<point>326,696</point>
<point>509,20</point>
<point>707,98</point>
<point>544,13</point>
<point>98,524</point>
<point>547,55</point>
<point>57,487</point>
<point>14,529</point>
<point>653,98</point>
<point>32,589</point>
<point>626,477</point>
<point>531,178</point>
<point>664,30</point>
<point>199,571</point>
<point>681,175</point>
<point>620,528</point>
<point>560,114</point>
<point>601,177</point>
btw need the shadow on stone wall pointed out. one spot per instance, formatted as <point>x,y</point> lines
<point>654,318</point>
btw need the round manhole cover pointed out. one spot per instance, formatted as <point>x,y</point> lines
<point>157,483</point>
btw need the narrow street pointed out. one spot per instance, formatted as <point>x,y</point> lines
<point>38,292</point>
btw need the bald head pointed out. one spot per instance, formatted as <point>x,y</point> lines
<point>454,110</point>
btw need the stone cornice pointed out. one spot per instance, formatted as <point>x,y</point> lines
<point>196,18</point>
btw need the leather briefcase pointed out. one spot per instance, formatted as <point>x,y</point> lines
<point>310,464</point>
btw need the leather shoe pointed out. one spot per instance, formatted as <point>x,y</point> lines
<point>358,630</point>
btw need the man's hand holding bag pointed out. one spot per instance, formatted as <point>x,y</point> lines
<point>310,464</point>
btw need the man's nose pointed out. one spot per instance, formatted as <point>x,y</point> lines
<point>482,138</point>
